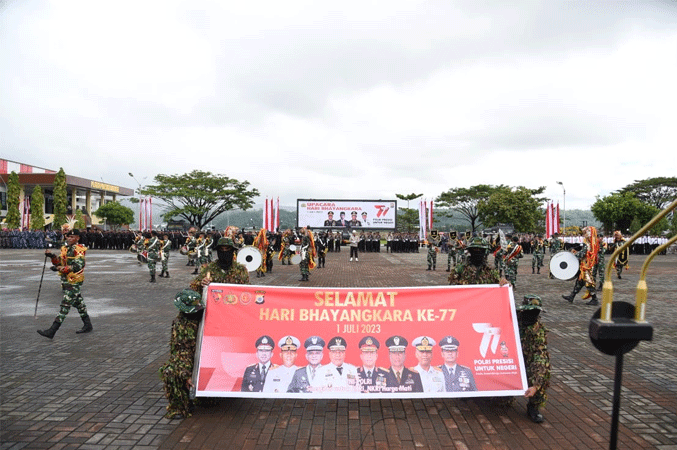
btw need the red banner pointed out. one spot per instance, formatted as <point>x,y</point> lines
<point>448,341</point>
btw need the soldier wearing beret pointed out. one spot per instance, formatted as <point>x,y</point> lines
<point>338,376</point>
<point>432,377</point>
<point>372,378</point>
<point>457,378</point>
<point>306,378</point>
<point>399,378</point>
<point>70,263</point>
<point>255,375</point>
<point>278,379</point>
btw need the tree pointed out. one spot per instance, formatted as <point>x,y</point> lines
<point>617,211</point>
<point>79,220</point>
<point>199,197</point>
<point>115,214</point>
<point>407,220</point>
<point>60,199</point>
<point>409,197</point>
<point>37,209</point>
<point>518,206</point>
<point>13,218</point>
<point>658,192</point>
<point>466,200</point>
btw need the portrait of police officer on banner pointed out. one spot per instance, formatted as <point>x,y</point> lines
<point>255,375</point>
<point>432,377</point>
<point>400,379</point>
<point>279,378</point>
<point>371,378</point>
<point>457,378</point>
<point>306,378</point>
<point>338,376</point>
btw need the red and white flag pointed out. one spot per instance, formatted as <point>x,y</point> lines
<point>551,220</point>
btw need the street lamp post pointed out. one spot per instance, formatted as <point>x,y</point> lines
<point>564,196</point>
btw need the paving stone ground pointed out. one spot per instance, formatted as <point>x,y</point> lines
<point>101,390</point>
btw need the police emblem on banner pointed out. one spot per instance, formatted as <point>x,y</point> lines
<point>259,296</point>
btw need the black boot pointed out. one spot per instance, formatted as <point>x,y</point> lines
<point>534,415</point>
<point>538,270</point>
<point>87,327</point>
<point>428,267</point>
<point>166,274</point>
<point>152,278</point>
<point>593,300</point>
<point>570,297</point>
<point>433,267</point>
<point>195,271</point>
<point>50,331</point>
<point>533,270</point>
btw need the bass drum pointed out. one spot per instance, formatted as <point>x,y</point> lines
<point>564,265</point>
<point>184,250</point>
<point>250,257</point>
<point>296,259</point>
<point>143,256</point>
<point>132,249</point>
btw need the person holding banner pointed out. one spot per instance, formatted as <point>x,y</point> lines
<point>371,378</point>
<point>255,375</point>
<point>224,270</point>
<point>533,336</point>
<point>399,378</point>
<point>457,378</point>
<point>177,372</point>
<point>280,377</point>
<point>475,270</point>
<point>432,377</point>
<point>305,379</point>
<point>338,376</point>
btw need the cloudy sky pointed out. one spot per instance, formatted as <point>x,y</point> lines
<point>348,100</point>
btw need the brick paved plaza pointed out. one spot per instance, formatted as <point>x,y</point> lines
<point>102,391</point>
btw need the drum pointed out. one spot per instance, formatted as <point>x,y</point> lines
<point>143,256</point>
<point>184,250</point>
<point>132,249</point>
<point>250,257</point>
<point>292,248</point>
<point>564,265</point>
<point>296,259</point>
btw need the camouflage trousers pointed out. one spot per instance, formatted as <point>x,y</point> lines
<point>451,257</point>
<point>511,273</point>
<point>303,265</point>
<point>598,271</point>
<point>151,265</point>
<point>71,297</point>
<point>165,263</point>
<point>432,258</point>
<point>537,260</point>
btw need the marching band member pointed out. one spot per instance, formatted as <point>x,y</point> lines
<point>587,256</point>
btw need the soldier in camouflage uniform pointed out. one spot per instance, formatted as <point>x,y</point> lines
<point>538,254</point>
<point>307,254</point>
<point>177,372</point>
<point>555,246</point>
<point>513,254</point>
<point>622,259</point>
<point>533,336</point>
<point>285,252</point>
<point>474,270</point>
<point>153,246</point>
<point>598,270</point>
<point>70,264</point>
<point>432,251</point>
<point>223,270</point>
<point>166,246</point>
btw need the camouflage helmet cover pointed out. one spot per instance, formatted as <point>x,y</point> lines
<point>188,301</point>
